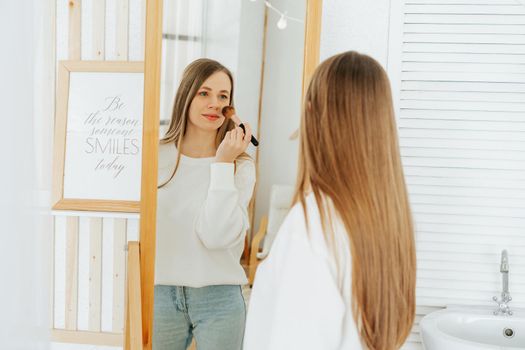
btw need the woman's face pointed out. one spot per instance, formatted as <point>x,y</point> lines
<point>212,96</point>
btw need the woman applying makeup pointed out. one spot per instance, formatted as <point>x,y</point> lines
<point>206,181</point>
<point>341,273</point>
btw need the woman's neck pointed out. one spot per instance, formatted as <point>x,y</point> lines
<point>198,143</point>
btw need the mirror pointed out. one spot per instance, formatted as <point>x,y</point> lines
<point>207,211</point>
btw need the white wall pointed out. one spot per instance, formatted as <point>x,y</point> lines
<point>25,235</point>
<point>281,105</point>
<point>358,25</point>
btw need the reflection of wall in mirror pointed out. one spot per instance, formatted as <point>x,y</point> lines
<point>281,103</point>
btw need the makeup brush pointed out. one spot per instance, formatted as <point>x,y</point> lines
<point>229,112</point>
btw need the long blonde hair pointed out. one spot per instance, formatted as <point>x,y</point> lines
<point>349,153</point>
<point>194,75</point>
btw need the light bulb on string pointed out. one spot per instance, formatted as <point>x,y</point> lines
<point>283,19</point>
<point>282,22</point>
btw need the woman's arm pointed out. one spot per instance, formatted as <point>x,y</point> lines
<point>223,219</point>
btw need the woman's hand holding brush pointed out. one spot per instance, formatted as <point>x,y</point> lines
<point>229,112</point>
<point>234,143</point>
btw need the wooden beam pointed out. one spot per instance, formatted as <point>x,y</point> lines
<point>85,337</point>
<point>133,336</point>
<point>150,144</point>
<point>312,45</point>
<point>98,8</point>
<point>95,274</point>
<point>122,29</point>
<point>75,39</point>
<point>119,274</point>
<point>312,40</point>
<point>252,205</point>
<point>72,227</point>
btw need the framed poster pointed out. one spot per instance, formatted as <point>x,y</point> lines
<point>98,136</point>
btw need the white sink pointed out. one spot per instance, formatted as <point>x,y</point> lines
<point>472,328</point>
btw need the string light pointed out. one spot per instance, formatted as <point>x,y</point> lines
<point>283,16</point>
<point>282,22</point>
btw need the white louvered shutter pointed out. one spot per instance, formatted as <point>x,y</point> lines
<point>458,77</point>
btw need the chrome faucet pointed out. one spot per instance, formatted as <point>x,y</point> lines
<point>503,307</point>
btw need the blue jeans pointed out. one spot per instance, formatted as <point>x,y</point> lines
<point>214,315</point>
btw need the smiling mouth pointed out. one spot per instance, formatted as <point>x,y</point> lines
<point>211,117</point>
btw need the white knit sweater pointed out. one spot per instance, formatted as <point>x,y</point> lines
<point>202,220</point>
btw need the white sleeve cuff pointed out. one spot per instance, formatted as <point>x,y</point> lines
<point>222,176</point>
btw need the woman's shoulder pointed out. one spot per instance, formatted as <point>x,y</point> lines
<point>303,237</point>
<point>294,226</point>
<point>308,227</point>
<point>299,215</point>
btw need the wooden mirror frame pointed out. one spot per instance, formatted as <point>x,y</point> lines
<point>150,139</point>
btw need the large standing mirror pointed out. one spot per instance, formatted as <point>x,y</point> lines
<point>207,228</point>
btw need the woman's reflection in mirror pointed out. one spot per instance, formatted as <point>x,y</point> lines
<point>206,181</point>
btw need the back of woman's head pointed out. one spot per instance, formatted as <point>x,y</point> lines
<point>349,153</point>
